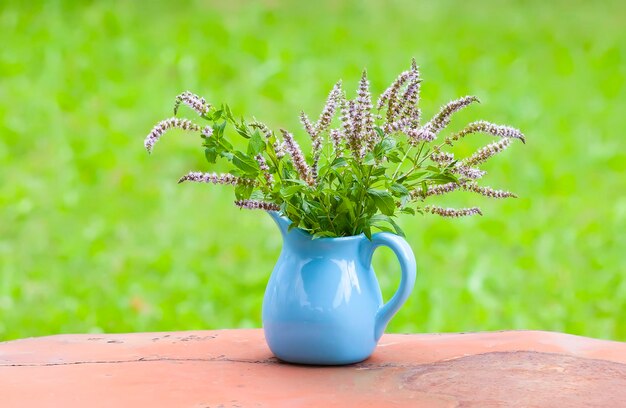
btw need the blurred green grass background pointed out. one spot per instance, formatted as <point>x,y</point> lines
<point>95,235</point>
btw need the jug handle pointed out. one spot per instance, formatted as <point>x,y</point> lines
<point>409,269</point>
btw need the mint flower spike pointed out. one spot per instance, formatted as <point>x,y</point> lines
<point>469,173</point>
<point>423,134</point>
<point>298,158</point>
<point>398,107</point>
<point>442,158</point>
<point>398,125</point>
<point>364,111</point>
<point>262,128</point>
<point>257,205</point>
<point>350,129</point>
<point>312,131</point>
<point>490,128</point>
<point>207,131</point>
<point>326,117</point>
<point>410,99</point>
<point>438,189</point>
<point>408,107</point>
<point>487,191</point>
<point>265,169</point>
<point>214,178</point>
<point>322,124</point>
<point>442,119</point>
<point>336,138</point>
<point>307,125</point>
<point>441,189</point>
<point>194,101</point>
<point>391,92</point>
<point>279,149</point>
<point>160,128</point>
<point>452,212</point>
<point>486,152</point>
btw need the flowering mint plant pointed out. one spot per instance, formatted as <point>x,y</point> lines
<point>367,164</point>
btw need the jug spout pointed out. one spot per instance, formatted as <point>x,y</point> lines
<point>281,222</point>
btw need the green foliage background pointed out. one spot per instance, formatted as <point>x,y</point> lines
<point>95,235</point>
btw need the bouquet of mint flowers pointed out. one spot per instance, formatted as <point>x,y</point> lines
<point>367,164</point>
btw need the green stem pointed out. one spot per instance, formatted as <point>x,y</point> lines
<point>416,165</point>
<point>393,178</point>
<point>327,211</point>
<point>298,210</point>
<point>331,223</point>
<point>362,198</point>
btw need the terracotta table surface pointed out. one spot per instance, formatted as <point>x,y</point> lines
<point>234,368</point>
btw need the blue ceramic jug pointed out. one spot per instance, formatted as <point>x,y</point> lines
<point>323,304</point>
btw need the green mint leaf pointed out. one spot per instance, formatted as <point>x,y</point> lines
<point>211,154</point>
<point>408,210</point>
<point>369,159</point>
<point>339,162</point>
<point>287,192</point>
<point>383,200</point>
<point>247,164</point>
<point>380,132</point>
<point>243,191</point>
<point>398,190</point>
<point>256,144</point>
<point>396,227</point>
